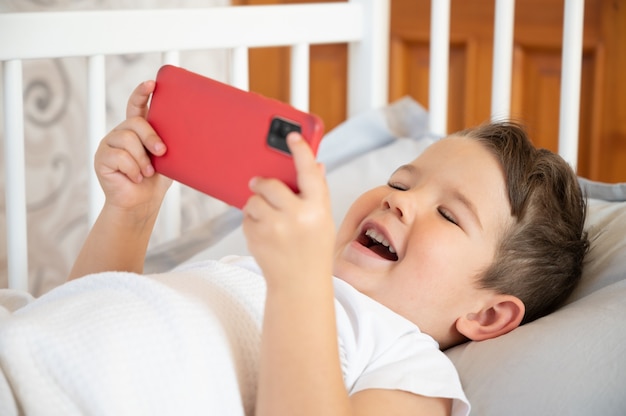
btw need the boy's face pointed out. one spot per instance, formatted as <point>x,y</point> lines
<point>417,244</point>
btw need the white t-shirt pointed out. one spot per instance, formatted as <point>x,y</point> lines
<point>380,349</point>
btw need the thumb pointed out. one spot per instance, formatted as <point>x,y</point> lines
<point>310,173</point>
<point>138,100</point>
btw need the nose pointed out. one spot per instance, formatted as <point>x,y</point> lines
<point>402,203</point>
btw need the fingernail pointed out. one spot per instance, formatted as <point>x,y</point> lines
<point>159,148</point>
<point>294,137</point>
<point>252,182</point>
<point>149,170</point>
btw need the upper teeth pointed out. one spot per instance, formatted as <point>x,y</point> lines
<point>379,238</point>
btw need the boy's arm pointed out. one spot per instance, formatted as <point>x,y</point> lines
<point>118,241</point>
<point>133,193</point>
<point>292,239</point>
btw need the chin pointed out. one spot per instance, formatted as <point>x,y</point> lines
<point>351,273</point>
<point>345,270</point>
<point>339,268</point>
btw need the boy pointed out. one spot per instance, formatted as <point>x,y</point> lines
<point>442,254</point>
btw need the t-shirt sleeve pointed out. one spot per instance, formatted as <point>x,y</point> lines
<point>414,365</point>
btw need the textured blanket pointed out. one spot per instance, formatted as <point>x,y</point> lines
<point>184,342</point>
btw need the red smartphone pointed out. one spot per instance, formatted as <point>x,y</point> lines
<point>218,137</point>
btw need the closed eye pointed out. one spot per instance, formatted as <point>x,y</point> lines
<point>397,185</point>
<point>447,216</point>
<point>402,178</point>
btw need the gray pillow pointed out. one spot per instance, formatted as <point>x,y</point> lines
<point>573,361</point>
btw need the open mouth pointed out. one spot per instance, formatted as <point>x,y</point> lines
<point>377,243</point>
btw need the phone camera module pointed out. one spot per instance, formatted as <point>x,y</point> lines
<point>279,129</point>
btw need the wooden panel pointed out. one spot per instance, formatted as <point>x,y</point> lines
<point>329,66</point>
<point>269,74</point>
<point>469,86</point>
<point>590,106</point>
<point>540,71</point>
<point>536,76</point>
<point>409,61</point>
<point>457,87</point>
<point>611,162</point>
<point>536,73</point>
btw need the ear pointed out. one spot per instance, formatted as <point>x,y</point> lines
<point>503,314</point>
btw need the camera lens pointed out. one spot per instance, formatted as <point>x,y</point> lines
<point>279,129</point>
<point>286,129</point>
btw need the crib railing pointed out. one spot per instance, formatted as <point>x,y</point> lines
<point>363,24</point>
<point>502,69</point>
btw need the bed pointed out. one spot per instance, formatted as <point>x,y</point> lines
<point>568,363</point>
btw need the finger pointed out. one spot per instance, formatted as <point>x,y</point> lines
<point>144,132</point>
<point>310,173</point>
<point>116,160</point>
<point>148,136</point>
<point>273,191</point>
<point>138,101</point>
<point>257,208</point>
<point>129,141</point>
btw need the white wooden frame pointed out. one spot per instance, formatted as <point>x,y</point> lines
<point>363,24</point>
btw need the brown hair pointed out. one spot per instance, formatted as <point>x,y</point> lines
<point>540,258</point>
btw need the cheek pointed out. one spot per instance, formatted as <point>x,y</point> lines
<point>458,264</point>
<point>440,258</point>
<point>360,209</point>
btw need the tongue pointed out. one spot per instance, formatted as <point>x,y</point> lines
<point>383,252</point>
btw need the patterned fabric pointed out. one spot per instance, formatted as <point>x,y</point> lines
<point>58,162</point>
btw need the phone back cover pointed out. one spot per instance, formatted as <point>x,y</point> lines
<point>216,135</point>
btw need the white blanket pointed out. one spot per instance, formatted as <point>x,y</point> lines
<point>184,342</point>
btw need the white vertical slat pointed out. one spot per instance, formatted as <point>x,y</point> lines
<point>439,59</point>
<point>171,58</point>
<point>570,80</point>
<point>17,248</point>
<point>299,88</point>
<point>239,68</point>
<point>368,63</point>
<point>96,117</point>
<point>502,59</point>
<point>170,215</point>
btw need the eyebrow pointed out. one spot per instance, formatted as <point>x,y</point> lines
<point>456,194</point>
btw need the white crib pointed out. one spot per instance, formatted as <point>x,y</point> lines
<point>363,24</point>
<point>569,362</point>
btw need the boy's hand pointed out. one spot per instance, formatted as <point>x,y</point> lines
<point>122,162</point>
<point>291,235</point>
<point>292,238</point>
<point>119,238</point>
